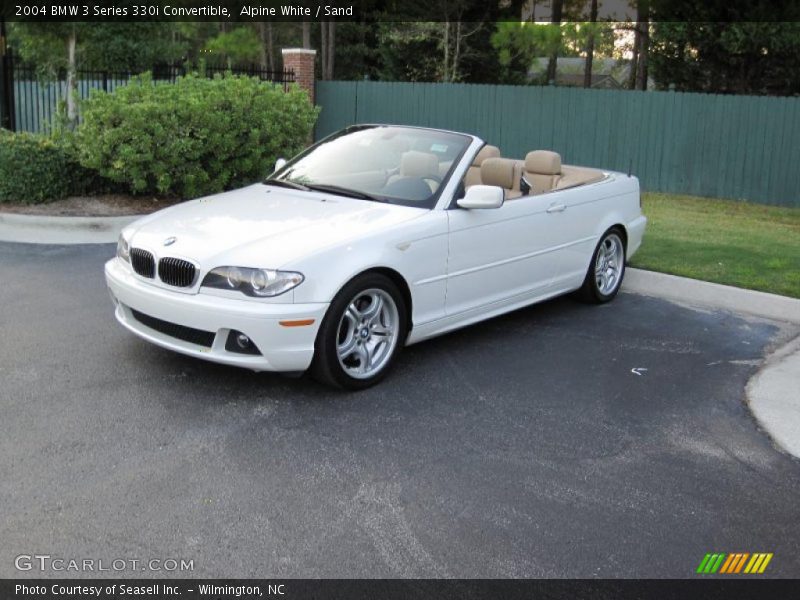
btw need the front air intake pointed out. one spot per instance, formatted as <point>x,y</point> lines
<point>181,332</point>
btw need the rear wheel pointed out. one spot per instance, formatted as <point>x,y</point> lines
<point>606,270</point>
<point>362,333</point>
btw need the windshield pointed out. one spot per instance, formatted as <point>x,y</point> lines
<point>400,165</point>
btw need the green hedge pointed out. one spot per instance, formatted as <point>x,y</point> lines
<point>36,169</point>
<point>195,137</point>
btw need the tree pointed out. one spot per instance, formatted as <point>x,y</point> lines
<point>726,47</point>
<point>723,57</point>
<point>637,76</point>
<point>267,46</point>
<point>237,46</point>
<point>455,47</point>
<point>643,34</point>
<point>134,46</point>
<point>52,47</point>
<point>58,48</point>
<point>520,44</point>
<point>557,7</point>
<point>357,49</point>
<point>479,61</point>
<point>587,72</point>
<point>408,51</point>
<point>328,54</point>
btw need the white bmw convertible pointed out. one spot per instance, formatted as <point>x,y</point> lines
<point>377,237</point>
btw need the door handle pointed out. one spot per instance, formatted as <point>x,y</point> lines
<point>556,208</point>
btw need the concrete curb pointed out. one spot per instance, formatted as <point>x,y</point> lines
<point>773,397</point>
<point>713,295</point>
<point>44,229</point>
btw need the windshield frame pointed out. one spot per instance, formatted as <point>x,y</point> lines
<point>429,203</point>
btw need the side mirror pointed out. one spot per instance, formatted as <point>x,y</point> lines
<point>482,196</point>
<point>279,164</point>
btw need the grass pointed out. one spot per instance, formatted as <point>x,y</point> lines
<point>735,243</point>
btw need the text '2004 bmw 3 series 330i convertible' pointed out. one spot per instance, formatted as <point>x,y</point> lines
<point>374,238</point>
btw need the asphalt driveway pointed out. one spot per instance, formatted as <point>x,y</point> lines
<point>521,447</point>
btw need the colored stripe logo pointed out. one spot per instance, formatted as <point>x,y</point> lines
<point>741,562</point>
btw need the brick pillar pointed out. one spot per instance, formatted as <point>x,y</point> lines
<point>302,61</point>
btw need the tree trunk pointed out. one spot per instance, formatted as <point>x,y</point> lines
<point>634,59</point>
<point>72,110</point>
<point>324,49</point>
<point>267,49</point>
<point>456,53</point>
<point>643,27</point>
<point>331,49</point>
<point>446,65</point>
<point>587,71</point>
<point>262,37</point>
<point>531,16</point>
<point>306,34</point>
<point>270,47</point>
<point>328,44</point>
<point>552,63</point>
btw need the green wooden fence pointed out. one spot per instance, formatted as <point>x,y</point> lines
<point>740,147</point>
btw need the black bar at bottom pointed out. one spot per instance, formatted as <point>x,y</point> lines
<point>732,588</point>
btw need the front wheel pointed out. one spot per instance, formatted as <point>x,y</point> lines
<point>606,270</point>
<point>362,333</point>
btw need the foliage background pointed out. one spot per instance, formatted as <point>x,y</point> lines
<point>742,47</point>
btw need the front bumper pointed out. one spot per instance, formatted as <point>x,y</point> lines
<point>281,348</point>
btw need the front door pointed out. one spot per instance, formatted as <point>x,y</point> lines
<point>502,255</point>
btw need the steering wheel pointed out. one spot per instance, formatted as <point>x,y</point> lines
<point>434,178</point>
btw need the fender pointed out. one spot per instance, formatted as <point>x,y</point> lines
<point>417,251</point>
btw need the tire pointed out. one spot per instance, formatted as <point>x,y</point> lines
<point>366,324</point>
<point>606,269</point>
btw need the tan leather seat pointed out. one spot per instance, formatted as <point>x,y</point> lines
<point>504,173</point>
<point>542,170</point>
<point>418,164</point>
<point>473,176</point>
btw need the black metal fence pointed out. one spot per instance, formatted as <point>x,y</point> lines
<point>31,99</point>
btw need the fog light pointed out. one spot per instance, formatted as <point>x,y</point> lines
<point>240,343</point>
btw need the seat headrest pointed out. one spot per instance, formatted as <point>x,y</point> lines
<point>486,152</point>
<point>418,164</point>
<point>498,171</point>
<point>543,162</point>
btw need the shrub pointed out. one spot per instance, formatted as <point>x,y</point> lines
<point>36,169</point>
<point>194,137</point>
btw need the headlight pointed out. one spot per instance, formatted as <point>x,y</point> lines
<point>253,282</point>
<point>123,249</point>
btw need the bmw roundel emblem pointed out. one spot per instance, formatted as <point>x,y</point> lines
<point>170,240</point>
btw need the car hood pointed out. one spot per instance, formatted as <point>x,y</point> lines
<point>261,226</point>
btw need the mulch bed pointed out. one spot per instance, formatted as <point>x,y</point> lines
<point>108,205</point>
